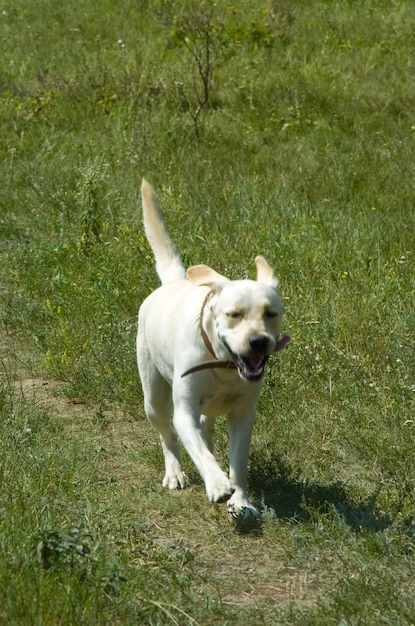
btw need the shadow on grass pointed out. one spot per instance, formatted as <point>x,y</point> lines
<point>281,496</point>
<point>301,501</point>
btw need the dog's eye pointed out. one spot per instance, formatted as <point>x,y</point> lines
<point>234,314</point>
<point>270,314</point>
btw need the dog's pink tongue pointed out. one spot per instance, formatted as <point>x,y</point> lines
<point>282,343</point>
<point>254,362</point>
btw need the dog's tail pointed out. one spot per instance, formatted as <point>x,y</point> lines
<point>169,265</point>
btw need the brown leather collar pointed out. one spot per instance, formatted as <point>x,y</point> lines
<point>202,330</point>
<point>208,344</point>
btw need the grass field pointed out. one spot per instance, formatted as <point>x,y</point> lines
<point>279,127</point>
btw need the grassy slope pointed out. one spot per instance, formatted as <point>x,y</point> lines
<point>305,155</point>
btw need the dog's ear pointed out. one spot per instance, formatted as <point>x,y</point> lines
<point>265,273</point>
<point>204,275</point>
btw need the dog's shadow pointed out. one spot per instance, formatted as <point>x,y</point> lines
<point>282,497</point>
<point>285,498</point>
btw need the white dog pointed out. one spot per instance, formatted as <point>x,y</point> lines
<point>202,345</point>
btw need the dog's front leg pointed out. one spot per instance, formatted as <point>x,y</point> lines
<point>208,426</point>
<point>187,423</point>
<point>240,433</point>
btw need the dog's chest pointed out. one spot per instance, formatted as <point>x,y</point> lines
<point>222,402</point>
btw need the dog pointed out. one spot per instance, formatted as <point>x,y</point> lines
<point>202,345</point>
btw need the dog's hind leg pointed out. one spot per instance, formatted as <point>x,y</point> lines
<point>158,411</point>
<point>158,408</point>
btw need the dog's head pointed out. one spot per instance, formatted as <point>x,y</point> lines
<point>246,316</point>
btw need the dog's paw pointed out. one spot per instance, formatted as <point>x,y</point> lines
<point>241,509</point>
<point>219,489</point>
<point>175,480</point>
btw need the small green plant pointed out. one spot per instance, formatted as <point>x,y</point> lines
<point>74,548</point>
<point>90,198</point>
<point>198,32</point>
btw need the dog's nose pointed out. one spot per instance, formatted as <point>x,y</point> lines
<point>258,343</point>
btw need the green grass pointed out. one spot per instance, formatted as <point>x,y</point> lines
<point>303,153</point>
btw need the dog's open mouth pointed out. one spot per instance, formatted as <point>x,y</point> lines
<point>252,367</point>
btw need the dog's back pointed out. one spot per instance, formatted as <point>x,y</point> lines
<point>169,265</point>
